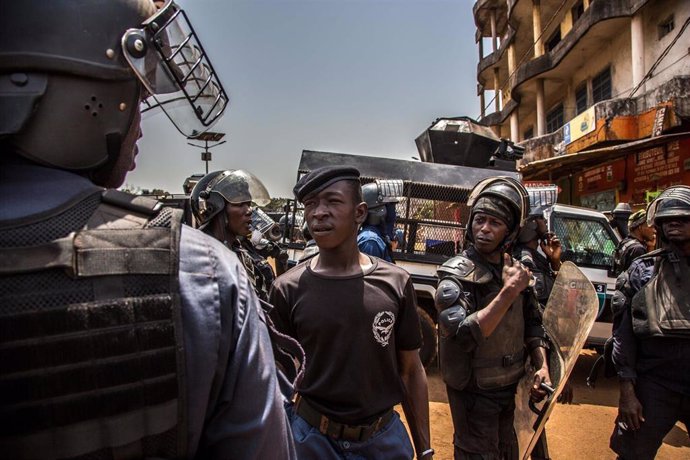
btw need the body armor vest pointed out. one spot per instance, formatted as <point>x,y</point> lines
<point>90,333</point>
<point>621,259</point>
<point>257,267</point>
<point>662,307</point>
<point>498,361</point>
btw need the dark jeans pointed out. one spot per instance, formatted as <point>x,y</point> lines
<point>483,424</point>
<point>661,408</point>
<point>389,443</point>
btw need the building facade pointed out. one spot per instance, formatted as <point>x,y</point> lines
<point>597,91</point>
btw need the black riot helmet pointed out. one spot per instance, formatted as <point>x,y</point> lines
<point>73,73</point>
<point>672,202</point>
<point>503,197</point>
<point>377,195</point>
<point>215,189</point>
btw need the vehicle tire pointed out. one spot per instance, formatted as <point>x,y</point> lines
<point>429,338</point>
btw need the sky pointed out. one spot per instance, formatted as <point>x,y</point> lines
<point>350,76</point>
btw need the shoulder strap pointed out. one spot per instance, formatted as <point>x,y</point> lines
<point>102,248</point>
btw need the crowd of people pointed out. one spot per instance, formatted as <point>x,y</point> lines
<point>127,334</point>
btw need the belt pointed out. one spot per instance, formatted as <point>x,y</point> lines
<point>503,361</point>
<point>336,430</point>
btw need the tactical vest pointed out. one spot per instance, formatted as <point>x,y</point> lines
<point>258,269</point>
<point>662,307</point>
<point>498,361</point>
<point>90,333</point>
<point>620,257</point>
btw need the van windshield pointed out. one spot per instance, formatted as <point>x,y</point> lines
<point>586,242</point>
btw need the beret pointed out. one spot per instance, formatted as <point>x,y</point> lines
<point>320,178</point>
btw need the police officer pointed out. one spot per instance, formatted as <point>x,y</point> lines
<point>640,237</point>
<point>222,205</point>
<point>488,320</point>
<point>375,236</point>
<point>108,306</point>
<point>544,265</point>
<point>651,333</point>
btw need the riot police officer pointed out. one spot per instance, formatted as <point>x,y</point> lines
<point>544,265</point>
<point>222,205</point>
<point>375,236</point>
<point>640,237</point>
<point>487,319</point>
<point>108,305</point>
<point>651,333</point>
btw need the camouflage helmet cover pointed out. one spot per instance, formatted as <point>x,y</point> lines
<point>502,191</point>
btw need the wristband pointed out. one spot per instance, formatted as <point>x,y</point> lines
<point>426,452</point>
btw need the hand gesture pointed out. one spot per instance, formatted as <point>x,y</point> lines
<point>515,275</point>
<point>552,248</point>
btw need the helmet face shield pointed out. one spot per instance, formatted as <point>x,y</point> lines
<point>672,202</point>
<point>171,64</point>
<point>240,187</point>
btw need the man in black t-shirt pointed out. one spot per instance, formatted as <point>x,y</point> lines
<point>356,319</point>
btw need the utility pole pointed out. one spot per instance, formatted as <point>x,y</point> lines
<point>207,137</point>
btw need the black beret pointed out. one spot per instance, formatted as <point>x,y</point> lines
<point>320,178</point>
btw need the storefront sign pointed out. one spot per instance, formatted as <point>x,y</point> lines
<point>579,126</point>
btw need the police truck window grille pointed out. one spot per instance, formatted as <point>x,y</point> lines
<point>188,64</point>
<point>431,220</point>
<point>586,243</point>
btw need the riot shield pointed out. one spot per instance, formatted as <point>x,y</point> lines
<point>568,318</point>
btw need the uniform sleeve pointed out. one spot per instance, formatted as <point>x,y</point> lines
<point>372,247</point>
<point>408,334</point>
<point>234,405</point>
<point>469,334</point>
<point>624,344</point>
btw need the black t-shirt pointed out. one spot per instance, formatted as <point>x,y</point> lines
<point>351,329</point>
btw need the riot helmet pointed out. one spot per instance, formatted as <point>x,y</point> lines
<point>503,197</point>
<point>636,219</point>
<point>672,202</point>
<point>380,197</point>
<point>217,188</point>
<point>70,92</point>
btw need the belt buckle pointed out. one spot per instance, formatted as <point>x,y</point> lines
<point>352,433</point>
<point>508,360</point>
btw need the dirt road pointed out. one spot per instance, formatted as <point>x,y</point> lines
<point>578,431</point>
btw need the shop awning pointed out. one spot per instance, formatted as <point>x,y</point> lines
<point>557,167</point>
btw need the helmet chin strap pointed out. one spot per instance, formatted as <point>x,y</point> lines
<point>101,174</point>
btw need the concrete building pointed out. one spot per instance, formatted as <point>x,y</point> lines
<point>597,91</point>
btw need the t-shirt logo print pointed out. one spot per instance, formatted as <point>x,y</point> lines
<point>383,327</point>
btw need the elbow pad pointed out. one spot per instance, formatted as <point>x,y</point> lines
<point>450,319</point>
<point>452,313</point>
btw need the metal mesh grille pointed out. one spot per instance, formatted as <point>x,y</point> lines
<point>430,221</point>
<point>585,242</point>
<point>53,228</point>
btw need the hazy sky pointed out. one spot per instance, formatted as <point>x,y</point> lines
<point>363,77</point>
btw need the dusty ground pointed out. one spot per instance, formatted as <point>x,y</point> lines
<point>578,431</point>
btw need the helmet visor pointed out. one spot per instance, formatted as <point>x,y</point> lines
<point>240,187</point>
<point>170,62</point>
<point>674,201</point>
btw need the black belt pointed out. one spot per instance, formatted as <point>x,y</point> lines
<point>503,361</point>
<point>335,430</point>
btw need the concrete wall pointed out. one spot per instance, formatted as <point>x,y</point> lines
<point>677,62</point>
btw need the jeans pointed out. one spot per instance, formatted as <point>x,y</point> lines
<point>391,442</point>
